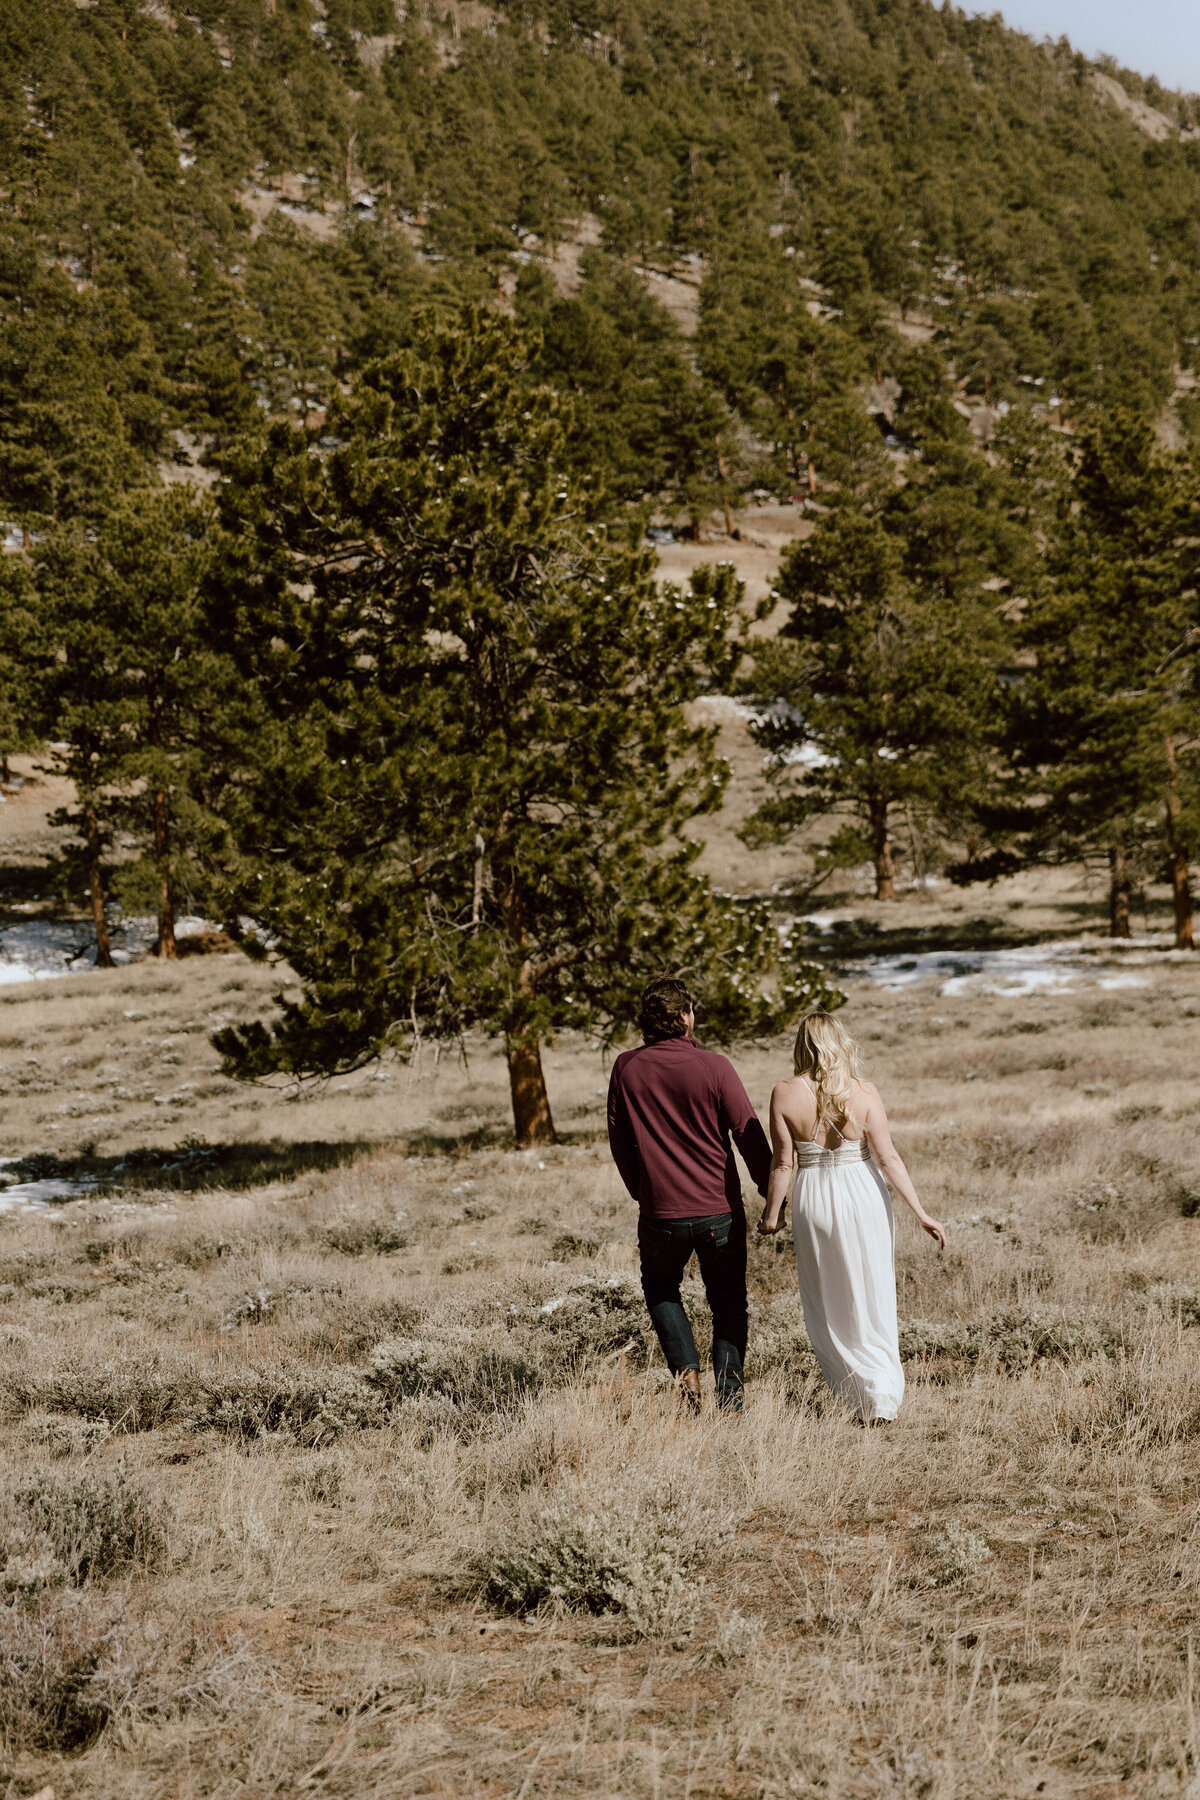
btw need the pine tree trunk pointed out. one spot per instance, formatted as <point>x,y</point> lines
<point>167,947</point>
<point>881,847</point>
<point>1181,885</point>
<point>530,1101</point>
<point>532,1119</point>
<point>96,888</point>
<point>1118,886</point>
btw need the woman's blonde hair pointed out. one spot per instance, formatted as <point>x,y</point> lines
<point>827,1054</point>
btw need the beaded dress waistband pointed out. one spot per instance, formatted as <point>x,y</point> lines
<point>822,1156</point>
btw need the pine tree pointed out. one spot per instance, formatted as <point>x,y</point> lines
<point>472,772</point>
<point>20,629</point>
<point>881,693</point>
<point>1106,721</point>
<point>134,684</point>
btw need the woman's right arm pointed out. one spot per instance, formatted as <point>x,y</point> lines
<point>779,1182</point>
<point>891,1164</point>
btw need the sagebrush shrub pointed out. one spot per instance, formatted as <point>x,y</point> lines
<point>779,1345</point>
<point>476,1369</point>
<point>737,1636</point>
<point>375,1233</point>
<point>592,1319</point>
<point>1177,1301</point>
<point>63,1436</point>
<point>68,1669</point>
<point>635,1562</point>
<point>315,1403</point>
<point>321,1478</point>
<point>1016,1340</point>
<point>957,1553</point>
<point>48,1664</point>
<point>91,1523</point>
<point>569,1244</point>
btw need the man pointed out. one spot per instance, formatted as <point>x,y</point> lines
<point>672,1110</point>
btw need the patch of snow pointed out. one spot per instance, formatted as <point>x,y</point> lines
<point>41,949</point>
<point>1028,969</point>
<point>39,1194</point>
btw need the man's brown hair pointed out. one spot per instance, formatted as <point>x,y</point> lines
<point>663,1000</point>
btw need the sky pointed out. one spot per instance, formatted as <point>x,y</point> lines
<point>1155,37</point>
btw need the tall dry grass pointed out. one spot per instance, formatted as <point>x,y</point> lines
<point>338,1459</point>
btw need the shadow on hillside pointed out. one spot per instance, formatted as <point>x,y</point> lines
<point>190,1168</point>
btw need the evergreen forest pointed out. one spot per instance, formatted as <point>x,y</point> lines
<point>350,348</point>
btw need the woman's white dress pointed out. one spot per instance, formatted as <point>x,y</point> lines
<point>845,1257</point>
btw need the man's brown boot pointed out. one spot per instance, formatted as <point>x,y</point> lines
<point>688,1381</point>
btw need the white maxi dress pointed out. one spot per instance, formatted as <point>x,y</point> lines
<point>845,1257</point>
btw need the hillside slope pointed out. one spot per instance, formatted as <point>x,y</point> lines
<point>213,209</point>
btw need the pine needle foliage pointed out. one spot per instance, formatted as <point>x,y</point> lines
<point>474,768</point>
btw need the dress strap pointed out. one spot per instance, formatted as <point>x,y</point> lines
<point>845,1140</point>
<point>812,1090</point>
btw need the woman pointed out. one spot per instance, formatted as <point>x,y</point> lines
<point>831,1123</point>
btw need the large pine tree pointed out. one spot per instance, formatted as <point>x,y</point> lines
<point>472,769</point>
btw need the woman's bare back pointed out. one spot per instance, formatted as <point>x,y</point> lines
<point>797,1107</point>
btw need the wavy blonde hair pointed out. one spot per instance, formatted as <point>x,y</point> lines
<point>827,1054</point>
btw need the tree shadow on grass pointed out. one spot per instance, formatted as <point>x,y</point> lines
<point>190,1167</point>
<point>488,1137</point>
<point>195,1168</point>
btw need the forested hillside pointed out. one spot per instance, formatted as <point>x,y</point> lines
<point>445,303</point>
<point>214,208</point>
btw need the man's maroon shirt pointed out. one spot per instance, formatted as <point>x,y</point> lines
<point>672,1108</point>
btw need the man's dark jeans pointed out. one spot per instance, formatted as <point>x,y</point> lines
<point>719,1241</point>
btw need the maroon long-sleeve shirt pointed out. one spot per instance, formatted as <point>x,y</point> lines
<point>672,1109</point>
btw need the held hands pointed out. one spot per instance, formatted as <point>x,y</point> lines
<point>768,1227</point>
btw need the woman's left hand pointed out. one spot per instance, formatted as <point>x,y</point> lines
<point>937,1232</point>
<point>768,1227</point>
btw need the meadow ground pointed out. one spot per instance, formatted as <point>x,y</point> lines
<point>338,1459</point>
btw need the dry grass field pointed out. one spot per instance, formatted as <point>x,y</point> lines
<point>336,1460</point>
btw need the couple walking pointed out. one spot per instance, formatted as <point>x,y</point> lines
<point>673,1109</point>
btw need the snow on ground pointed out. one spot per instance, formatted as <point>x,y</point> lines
<point>1028,969</point>
<point>725,706</point>
<point>35,1195</point>
<point>40,949</point>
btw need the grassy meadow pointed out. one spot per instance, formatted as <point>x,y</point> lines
<point>338,1458</point>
